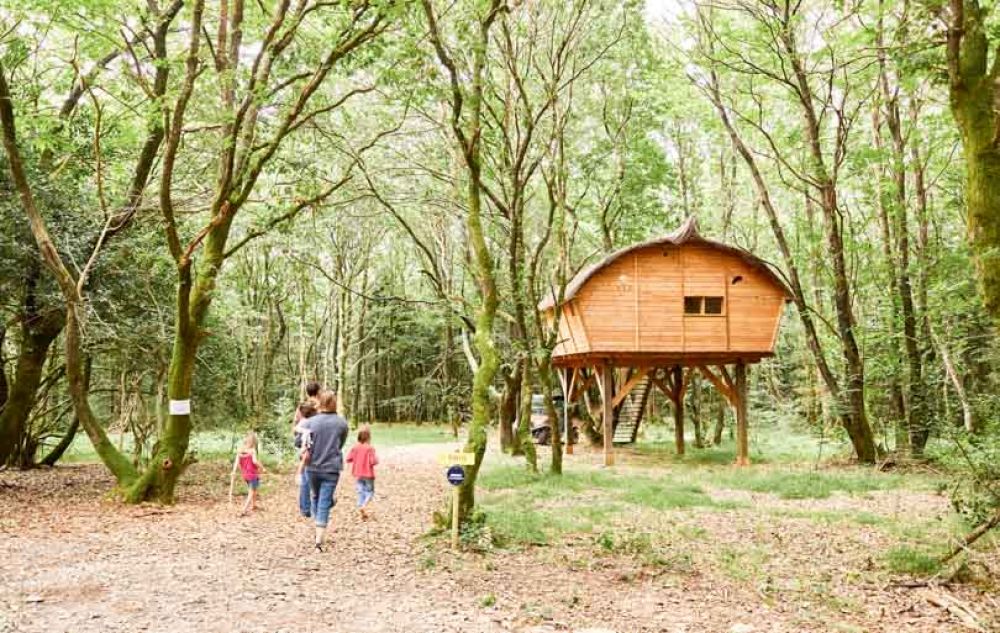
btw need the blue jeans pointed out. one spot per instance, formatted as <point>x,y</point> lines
<point>305,501</point>
<point>321,488</point>
<point>366,490</point>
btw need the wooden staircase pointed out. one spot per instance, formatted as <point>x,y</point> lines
<point>630,413</point>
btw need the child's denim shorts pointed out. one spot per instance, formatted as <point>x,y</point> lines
<point>366,490</point>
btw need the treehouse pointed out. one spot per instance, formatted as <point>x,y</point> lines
<point>650,315</point>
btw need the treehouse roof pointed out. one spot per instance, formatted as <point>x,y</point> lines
<point>686,233</point>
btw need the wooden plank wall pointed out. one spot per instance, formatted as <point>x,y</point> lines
<point>636,303</point>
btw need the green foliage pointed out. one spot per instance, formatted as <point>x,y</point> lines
<point>975,460</point>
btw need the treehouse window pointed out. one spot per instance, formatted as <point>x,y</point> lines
<point>702,305</point>
<point>713,305</point>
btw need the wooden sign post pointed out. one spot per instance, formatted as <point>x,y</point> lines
<point>456,475</point>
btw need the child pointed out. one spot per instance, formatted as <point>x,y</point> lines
<point>250,468</point>
<point>363,460</point>
<point>304,411</point>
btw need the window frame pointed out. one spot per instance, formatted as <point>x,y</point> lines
<point>702,305</point>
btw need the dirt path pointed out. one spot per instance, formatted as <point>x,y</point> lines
<point>71,560</point>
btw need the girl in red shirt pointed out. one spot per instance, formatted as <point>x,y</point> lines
<point>250,468</point>
<point>363,460</point>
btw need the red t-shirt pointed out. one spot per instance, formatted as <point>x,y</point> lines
<point>362,460</point>
<point>248,467</point>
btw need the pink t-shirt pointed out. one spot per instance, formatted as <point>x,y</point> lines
<point>248,467</point>
<point>362,460</point>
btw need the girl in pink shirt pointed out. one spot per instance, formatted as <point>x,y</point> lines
<point>363,460</point>
<point>246,462</point>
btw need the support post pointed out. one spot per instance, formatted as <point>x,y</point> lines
<point>742,439</point>
<point>677,397</point>
<point>454,516</point>
<point>607,398</point>
<point>566,379</point>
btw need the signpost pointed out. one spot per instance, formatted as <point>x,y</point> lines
<point>462,459</point>
<point>455,475</point>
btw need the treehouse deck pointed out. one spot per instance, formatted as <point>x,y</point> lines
<point>653,313</point>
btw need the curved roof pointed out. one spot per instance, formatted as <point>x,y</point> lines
<point>686,233</point>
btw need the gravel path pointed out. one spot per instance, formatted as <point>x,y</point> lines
<point>72,560</point>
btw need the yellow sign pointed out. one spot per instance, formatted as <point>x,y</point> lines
<point>462,459</point>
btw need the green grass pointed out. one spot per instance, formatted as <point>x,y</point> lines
<point>908,560</point>
<point>221,445</point>
<point>779,444</point>
<point>523,508</point>
<point>789,483</point>
<point>405,433</point>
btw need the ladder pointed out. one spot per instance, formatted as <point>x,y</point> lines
<point>630,413</point>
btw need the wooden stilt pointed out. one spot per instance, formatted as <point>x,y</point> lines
<point>567,377</point>
<point>742,439</point>
<point>677,396</point>
<point>607,408</point>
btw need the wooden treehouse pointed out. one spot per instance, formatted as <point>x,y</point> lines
<point>651,314</point>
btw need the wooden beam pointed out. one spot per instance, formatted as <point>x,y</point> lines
<point>607,394</point>
<point>567,377</point>
<point>719,384</point>
<point>657,359</point>
<point>678,399</point>
<point>636,378</point>
<point>726,377</point>
<point>581,386</point>
<point>667,390</point>
<point>742,438</point>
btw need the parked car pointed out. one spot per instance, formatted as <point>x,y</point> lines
<point>541,428</point>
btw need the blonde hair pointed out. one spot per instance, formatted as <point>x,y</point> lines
<point>250,441</point>
<point>328,402</point>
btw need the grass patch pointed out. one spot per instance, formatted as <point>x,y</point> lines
<point>777,444</point>
<point>741,564</point>
<point>510,526</point>
<point>401,434</point>
<point>524,508</point>
<point>808,484</point>
<point>908,560</point>
<point>222,445</point>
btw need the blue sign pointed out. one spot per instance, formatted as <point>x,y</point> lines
<point>456,475</point>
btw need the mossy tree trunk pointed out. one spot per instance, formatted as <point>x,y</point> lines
<point>466,105</point>
<point>973,92</point>
<point>525,441</point>
<point>39,328</point>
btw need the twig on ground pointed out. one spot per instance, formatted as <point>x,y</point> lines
<point>957,608</point>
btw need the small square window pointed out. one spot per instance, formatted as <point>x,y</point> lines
<point>713,305</point>
<point>692,305</point>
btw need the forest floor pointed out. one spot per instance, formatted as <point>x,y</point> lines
<point>651,545</point>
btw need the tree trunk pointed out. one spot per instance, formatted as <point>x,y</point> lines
<point>916,422</point>
<point>509,412</point>
<point>697,410</point>
<point>525,440</point>
<point>38,331</point>
<point>972,90</point>
<point>547,385</point>
<point>857,427</point>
